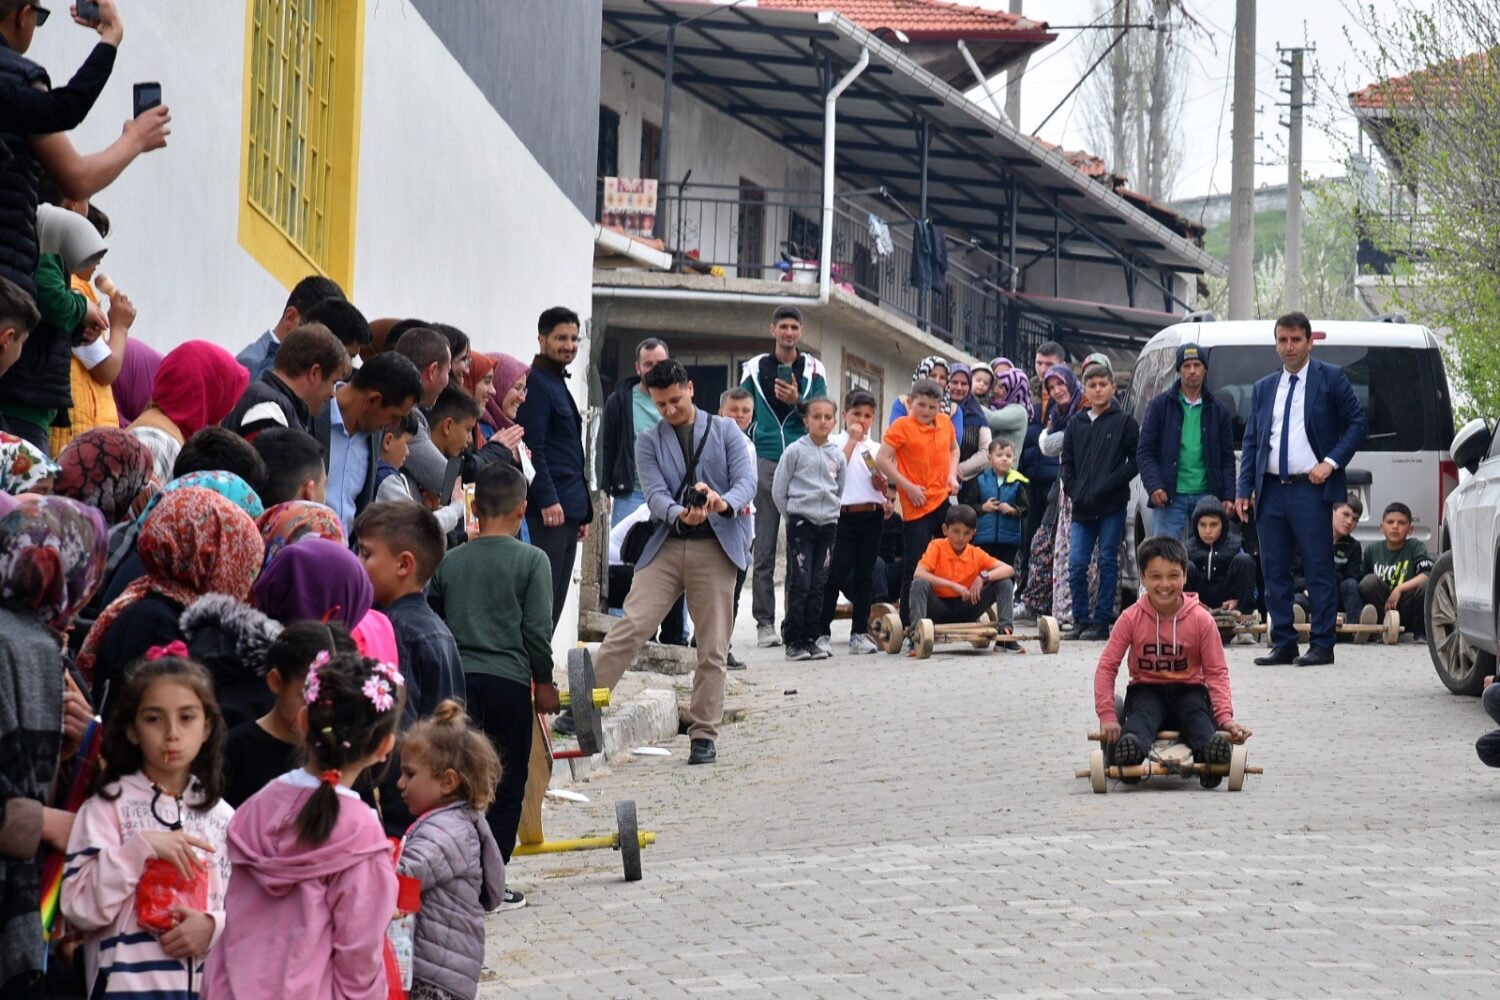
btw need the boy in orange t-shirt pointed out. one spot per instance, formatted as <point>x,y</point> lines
<point>956,580</point>
<point>919,454</point>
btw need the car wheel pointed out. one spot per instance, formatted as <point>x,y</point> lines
<point>1460,666</point>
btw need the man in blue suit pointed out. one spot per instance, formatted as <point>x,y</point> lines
<point>698,543</point>
<point>1305,425</point>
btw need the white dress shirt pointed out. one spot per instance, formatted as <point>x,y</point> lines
<point>1301,459</point>
<point>859,487</point>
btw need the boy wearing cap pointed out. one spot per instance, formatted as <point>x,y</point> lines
<point>1186,449</point>
<point>1098,463</point>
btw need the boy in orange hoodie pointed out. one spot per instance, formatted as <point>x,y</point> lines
<point>1178,676</point>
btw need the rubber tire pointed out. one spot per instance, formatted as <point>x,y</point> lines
<point>1050,634</point>
<point>923,638</point>
<point>1237,760</point>
<point>630,839</point>
<point>588,720</point>
<point>1483,662</point>
<point>1097,780</point>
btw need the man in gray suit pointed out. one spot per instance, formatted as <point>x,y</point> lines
<point>698,544</point>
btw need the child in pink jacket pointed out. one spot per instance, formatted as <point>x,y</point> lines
<point>314,885</point>
<point>1178,676</point>
<point>157,798</point>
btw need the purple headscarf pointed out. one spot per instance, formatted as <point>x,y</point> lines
<point>1057,418</point>
<point>315,580</point>
<point>1012,386</point>
<point>972,410</point>
<point>132,388</point>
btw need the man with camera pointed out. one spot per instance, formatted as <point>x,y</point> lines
<point>697,476</point>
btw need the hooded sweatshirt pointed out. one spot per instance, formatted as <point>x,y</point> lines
<point>1178,649</point>
<point>107,855</point>
<point>306,922</point>
<point>1212,560</point>
<point>809,481</point>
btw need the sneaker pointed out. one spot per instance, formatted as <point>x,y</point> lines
<point>795,652</point>
<point>861,644</point>
<point>766,636</point>
<point>1218,751</point>
<point>1008,646</point>
<point>1128,752</point>
<point>703,752</point>
<point>822,647</point>
<point>563,723</point>
<point>513,900</point>
<point>732,662</point>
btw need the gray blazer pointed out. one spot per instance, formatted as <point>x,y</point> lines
<point>723,464</point>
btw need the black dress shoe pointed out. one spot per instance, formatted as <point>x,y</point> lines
<point>1279,657</point>
<point>703,752</point>
<point>1315,657</point>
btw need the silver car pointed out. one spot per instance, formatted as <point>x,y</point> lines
<point>1461,599</point>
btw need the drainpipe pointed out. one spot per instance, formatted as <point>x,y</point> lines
<point>824,269</point>
<point>979,78</point>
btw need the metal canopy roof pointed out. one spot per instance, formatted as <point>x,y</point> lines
<point>767,68</point>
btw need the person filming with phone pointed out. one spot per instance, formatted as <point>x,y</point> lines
<point>697,477</point>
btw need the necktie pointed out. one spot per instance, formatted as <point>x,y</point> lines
<point>1286,429</point>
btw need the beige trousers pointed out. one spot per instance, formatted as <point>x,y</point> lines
<point>699,568</point>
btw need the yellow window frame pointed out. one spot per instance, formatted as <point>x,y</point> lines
<point>299,158</point>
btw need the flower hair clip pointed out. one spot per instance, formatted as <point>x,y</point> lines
<point>380,693</point>
<point>390,672</point>
<point>311,686</point>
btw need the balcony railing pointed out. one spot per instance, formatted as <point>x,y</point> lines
<point>776,234</point>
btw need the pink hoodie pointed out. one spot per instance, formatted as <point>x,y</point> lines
<point>305,922</point>
<point>1184,648</point>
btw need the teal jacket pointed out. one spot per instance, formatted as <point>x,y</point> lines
<point>772,435</point>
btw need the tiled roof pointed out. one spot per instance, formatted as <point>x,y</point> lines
<point>1398,91</point>
<point>922,20</point>
<point>1094,167</point>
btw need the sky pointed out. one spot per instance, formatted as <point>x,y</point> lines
<point>1337,66</point>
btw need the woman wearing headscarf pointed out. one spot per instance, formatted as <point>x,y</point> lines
<point>193,542</point>
<point>935,368</point>
<point>51,555</point>
<point>24,468</point>
<point>196,385</point>
<point>315,580</point>
<point>974,439</point>
<point>505,444</point>
<point>1044,594</point>
<point>111,470</point>
<point>479,382</point>
<point>290,522</point>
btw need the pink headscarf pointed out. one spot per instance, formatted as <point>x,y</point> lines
<point>507,371</point>
<point>197,384</point>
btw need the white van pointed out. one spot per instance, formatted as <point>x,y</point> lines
<point>1397,373</point>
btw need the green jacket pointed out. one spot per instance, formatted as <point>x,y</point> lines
<point>772,435</point>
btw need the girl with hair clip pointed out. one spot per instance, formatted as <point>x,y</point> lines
<point>449,770</point>
<point>314,887</point>
<point>156,816</point>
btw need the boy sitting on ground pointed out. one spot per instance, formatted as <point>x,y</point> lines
<point>1395,574</point>
<point>955,581</point>
<point>1178,676</point>
<point>1218,572</point>
<point>1348,565</point>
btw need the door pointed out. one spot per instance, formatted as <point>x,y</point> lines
<point>750,253</point>
<point>709,383</point>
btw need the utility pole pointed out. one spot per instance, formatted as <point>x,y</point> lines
<point>1013,79</point>
<point>1293,59</point>
<point>1242,184</point>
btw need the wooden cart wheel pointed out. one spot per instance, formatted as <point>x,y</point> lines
<point>1097,778</point>
<point>1361,637</point>
<point>1265,637</point>
<point>981,643</point>
<point>1049,633</point>
<point>1392,633</point>
<point>890,629</point>
<point>879,611</point>
<point>1237,757</point>
<point>923,636</point>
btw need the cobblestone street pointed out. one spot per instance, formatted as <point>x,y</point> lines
<point>883,827</point>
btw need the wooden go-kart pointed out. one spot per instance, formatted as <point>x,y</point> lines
<point>1387,628</point>
<point>886,630</point>
<point>1167,757</point>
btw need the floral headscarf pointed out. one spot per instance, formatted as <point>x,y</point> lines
<point>924,370</point>
<point>315,580</point>
<point>51,557</point>
<point>1058,417</point>
<point>226,484</point>
<point>288,522</point>
<point>22,465</point>
<point>194,542</point>
<point>108,468</point>
<point>1013,386</point>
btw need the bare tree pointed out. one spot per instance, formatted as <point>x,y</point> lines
<point>1132,104</point>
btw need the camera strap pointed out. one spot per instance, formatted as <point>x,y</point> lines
<point>692,460</point>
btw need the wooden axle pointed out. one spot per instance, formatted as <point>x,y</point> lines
<point>1152,769</point>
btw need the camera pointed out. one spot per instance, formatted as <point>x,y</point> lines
<point>693,497</point>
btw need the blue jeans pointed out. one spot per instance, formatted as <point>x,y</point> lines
<point>1171,520</point>
<point>625,506</point>
<point>1107,532</point>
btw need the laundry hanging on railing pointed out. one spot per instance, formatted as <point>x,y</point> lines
<point>880,237</point>
<point>929,257</point>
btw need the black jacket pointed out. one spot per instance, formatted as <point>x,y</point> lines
<point>617,440</point>
<point>1098,462</point>
<point>19,175</point>
<point>554,433</point>
<point>1212,560</point>
<point>1161,444</point>
<point>268,402</point>
<point>231,640</point>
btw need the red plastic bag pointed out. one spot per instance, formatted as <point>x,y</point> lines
<point>162,889</point>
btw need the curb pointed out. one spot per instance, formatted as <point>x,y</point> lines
<point>644,719</point>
